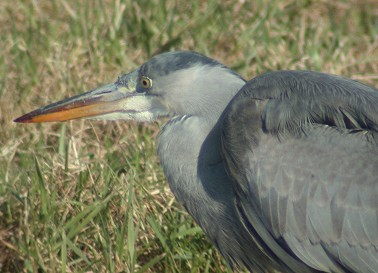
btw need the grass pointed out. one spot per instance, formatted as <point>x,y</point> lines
<point>89,196</point>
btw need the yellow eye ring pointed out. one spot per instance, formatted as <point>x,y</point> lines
<point>145,82</point>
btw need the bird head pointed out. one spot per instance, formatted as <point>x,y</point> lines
<point>169,84</point>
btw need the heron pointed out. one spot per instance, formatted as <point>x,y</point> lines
<point>280,172</point>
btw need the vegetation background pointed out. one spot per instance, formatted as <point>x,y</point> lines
<point>87,196</point>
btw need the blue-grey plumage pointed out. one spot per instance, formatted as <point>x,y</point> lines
<point>281,172</point>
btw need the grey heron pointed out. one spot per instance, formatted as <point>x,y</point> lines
<point>281,172</point>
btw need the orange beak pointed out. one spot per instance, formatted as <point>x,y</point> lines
<point>104,100</point>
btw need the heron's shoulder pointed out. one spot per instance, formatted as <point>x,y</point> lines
<point>293,83</point>
<point>281,102</point>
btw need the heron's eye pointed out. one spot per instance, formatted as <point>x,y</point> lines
<point>145,82</point>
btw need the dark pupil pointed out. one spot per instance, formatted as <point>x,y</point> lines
<point>145,83</point>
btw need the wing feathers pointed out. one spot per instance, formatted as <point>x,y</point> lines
<point>302,146</point>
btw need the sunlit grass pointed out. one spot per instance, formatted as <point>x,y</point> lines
<point>90,196</point>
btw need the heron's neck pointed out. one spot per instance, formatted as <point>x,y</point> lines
<point>189,148</point>
<point>190,154</point>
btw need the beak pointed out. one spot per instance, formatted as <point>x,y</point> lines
<point>108,99</point>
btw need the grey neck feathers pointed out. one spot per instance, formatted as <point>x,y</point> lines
<point>189,148</point>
